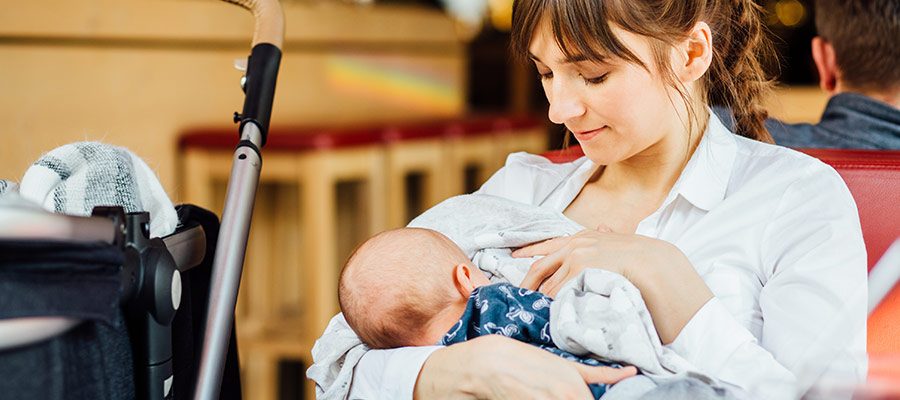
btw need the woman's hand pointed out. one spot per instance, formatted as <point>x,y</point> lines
<point>497,367</point>
<point>671,288</point>
<point>566,256</point>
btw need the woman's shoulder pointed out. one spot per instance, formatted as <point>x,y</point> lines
<point>776,169</point>
<point>530,178</point>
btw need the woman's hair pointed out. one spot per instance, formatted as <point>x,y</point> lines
<point>736,78</point>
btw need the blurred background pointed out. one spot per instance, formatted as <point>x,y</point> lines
<point>425,87</point>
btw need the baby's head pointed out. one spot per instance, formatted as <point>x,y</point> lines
<point>406,287</point>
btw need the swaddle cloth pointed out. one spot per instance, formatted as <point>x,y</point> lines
<point>488,228</point>
<point>74,178</point>
<point>517,313</point>
<point>600,312</point>
<point>7,187</point>
<point>335,359</point>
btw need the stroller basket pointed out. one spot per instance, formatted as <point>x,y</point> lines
<point>75,315</point>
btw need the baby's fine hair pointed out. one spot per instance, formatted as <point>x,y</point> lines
<point>395,283</point>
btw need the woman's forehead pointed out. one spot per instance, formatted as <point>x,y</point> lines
<point>546,47</point>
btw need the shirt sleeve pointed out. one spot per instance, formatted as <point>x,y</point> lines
<point>389,374</point>
<point>813,300</point>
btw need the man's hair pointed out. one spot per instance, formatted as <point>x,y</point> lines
<point>395,283</point>
<point>864,34</point>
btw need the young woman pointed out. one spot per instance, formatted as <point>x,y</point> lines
<point>744,252</point>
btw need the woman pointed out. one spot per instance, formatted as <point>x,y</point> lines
<point>743,251</point>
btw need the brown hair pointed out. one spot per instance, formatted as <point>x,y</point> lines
<point>864,35</point>
<point>736,78</point>
<point>376,291</point>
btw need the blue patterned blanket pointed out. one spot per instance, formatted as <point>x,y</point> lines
<point>517,313</point>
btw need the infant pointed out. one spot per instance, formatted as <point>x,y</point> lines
<point>416,287</point>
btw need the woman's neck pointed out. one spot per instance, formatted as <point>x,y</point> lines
<point>654,170</point>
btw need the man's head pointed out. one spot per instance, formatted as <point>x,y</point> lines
<point>857,48</point>
<point>406,287</point>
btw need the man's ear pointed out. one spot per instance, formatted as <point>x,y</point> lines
<point>462,278</point>
<point>695,54</point>
<point>826,64</point>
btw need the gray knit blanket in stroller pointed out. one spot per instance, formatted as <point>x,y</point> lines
<point>75,178</point>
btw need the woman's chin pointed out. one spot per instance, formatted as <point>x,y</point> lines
<point>601,155</point>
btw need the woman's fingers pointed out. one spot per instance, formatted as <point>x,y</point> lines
<point>541,248</point>
<point>606,375</point>
<point>555,281</point>
<point>541,270</point>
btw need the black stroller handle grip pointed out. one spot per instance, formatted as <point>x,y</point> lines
<point>262,73</point>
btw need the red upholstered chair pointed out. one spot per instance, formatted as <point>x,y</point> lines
<point>874,180</point>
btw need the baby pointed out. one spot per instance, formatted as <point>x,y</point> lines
<point>416,287</point>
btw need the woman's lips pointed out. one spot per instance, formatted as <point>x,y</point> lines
<point>588,135</point>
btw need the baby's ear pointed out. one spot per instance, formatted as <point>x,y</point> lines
<point>462,278</point>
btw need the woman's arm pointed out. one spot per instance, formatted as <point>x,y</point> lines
<point>671,288</point>
<point>497,367</point>
<point>813,300</point>
<point>342,365</point>
<point>815,259</point>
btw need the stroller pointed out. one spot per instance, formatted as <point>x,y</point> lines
<point>93,307</point>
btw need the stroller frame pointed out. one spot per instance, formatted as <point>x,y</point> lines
<point>151,275</point>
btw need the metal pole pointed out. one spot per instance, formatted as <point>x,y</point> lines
<point>229,261</point>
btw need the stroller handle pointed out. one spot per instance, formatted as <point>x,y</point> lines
<point>269,20</point>
<point>228,260</point>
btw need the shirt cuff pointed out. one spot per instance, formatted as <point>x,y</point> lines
<point>389,374</point>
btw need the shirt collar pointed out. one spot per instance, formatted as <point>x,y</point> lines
<point>703,182</point>
<point>705,178</point>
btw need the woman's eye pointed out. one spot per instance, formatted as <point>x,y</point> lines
<point>546,76</point>
<point>596,80</point>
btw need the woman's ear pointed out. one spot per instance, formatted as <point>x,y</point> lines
<point>694,54</point>
<point>462,278</point>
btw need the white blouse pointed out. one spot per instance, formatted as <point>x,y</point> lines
<point>775,235</point>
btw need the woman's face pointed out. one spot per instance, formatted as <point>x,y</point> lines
<point>615,109</point>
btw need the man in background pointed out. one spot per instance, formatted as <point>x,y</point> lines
<point>857,54</point>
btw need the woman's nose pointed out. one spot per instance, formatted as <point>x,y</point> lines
<point>565,103</point>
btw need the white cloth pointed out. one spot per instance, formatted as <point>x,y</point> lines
<point>8,187</point>
<point>74,178</point>
<point>774,234</point>
<point>602,313</point>
<point>488,228</point>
